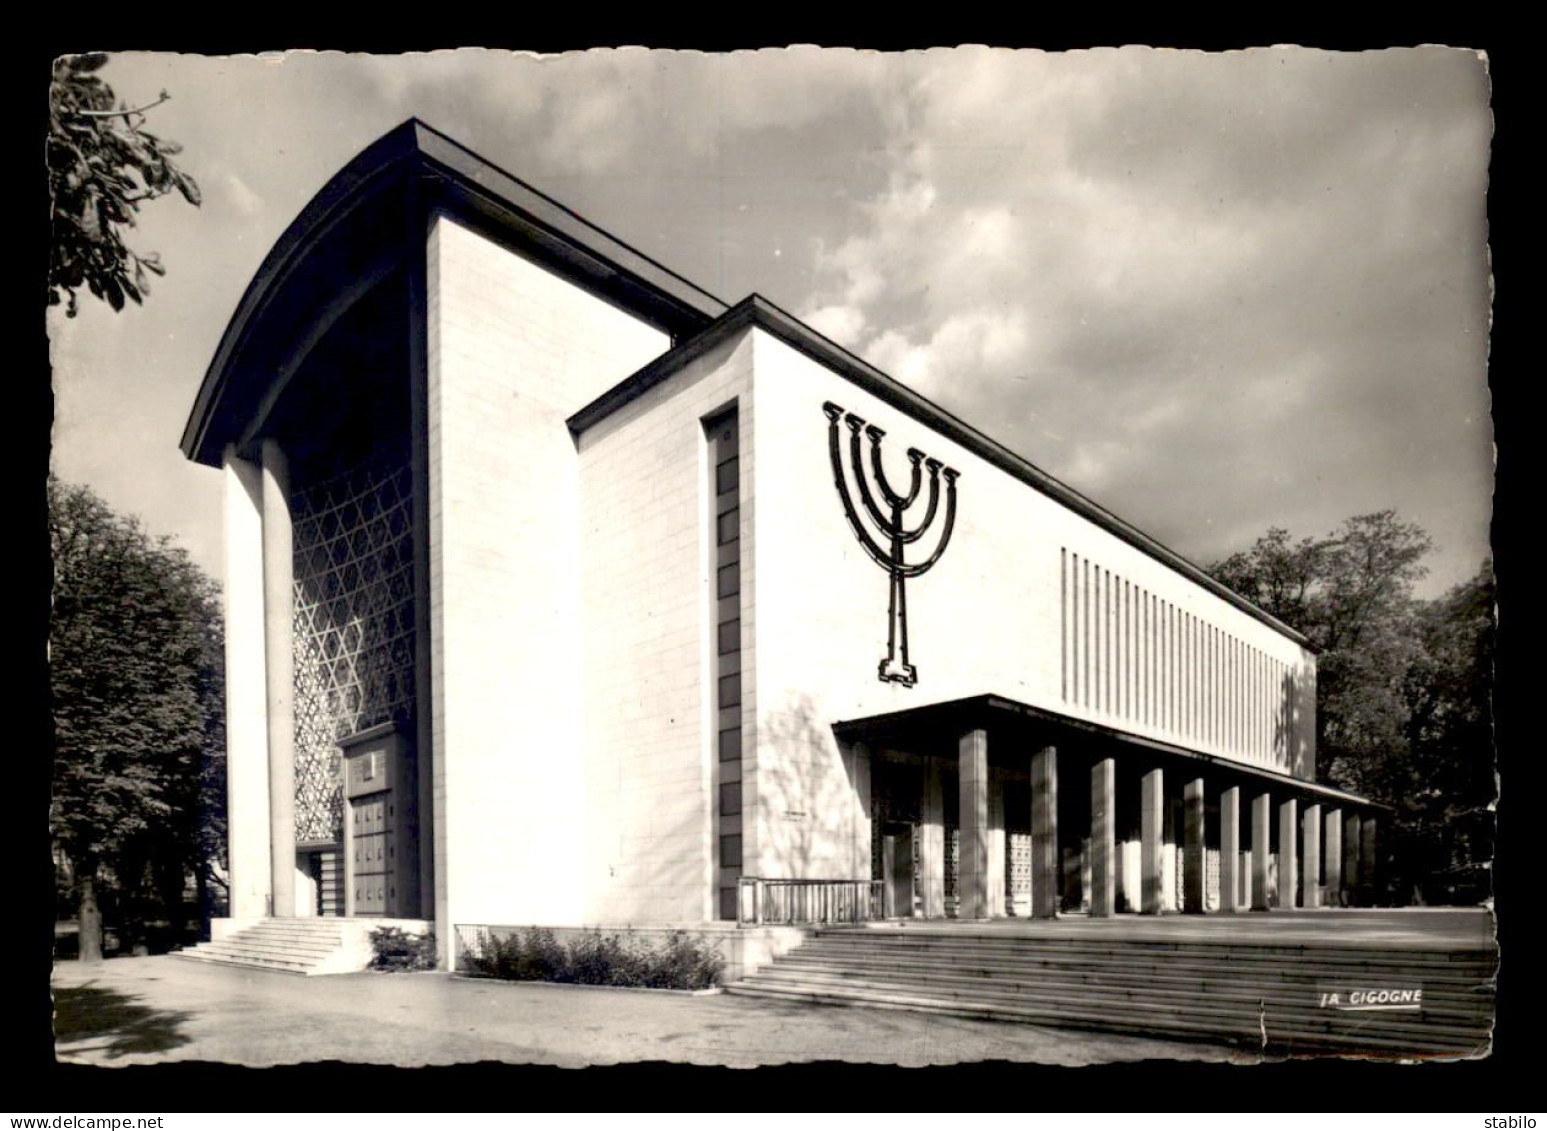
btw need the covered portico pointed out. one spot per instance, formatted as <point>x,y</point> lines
<point>987,808</point>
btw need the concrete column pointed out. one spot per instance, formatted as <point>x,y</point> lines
<point>1193,874</point>
<point>1332,845</point>
<point>1262,815</point>
<point>932,844</point>
<point>863,811</point>
<point>1046,865</point>
<point>1369,890</point>
<point>1230,849</point>
<point>1351,828</point>
<point>972,865</point>
<point>996,839</point>
<point>1310,857</point>
<point>1151,824</point>
<point>279,655</point>
<point>1171,853</point>
<point>1103,838</point>
<point>1288,836</point>
<point>1128,874</point>
<point>247,726</point>
<point>889,906</point>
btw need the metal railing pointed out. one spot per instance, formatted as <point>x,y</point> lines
<point>787,902</point>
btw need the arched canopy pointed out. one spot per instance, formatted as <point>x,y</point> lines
<point>370,222</point>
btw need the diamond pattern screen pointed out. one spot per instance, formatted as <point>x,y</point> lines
<point>354,626</point>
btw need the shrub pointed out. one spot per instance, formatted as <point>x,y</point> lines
<point>498,957</point>
<point>596,959</point>
<point>687,963</point>
<point>683,962</point>
<point>542,958</point>
<point>480,958</point>
<point>396,950</point>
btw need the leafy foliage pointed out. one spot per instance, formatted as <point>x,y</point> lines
<point>135,662</point>
<point>1403,688</point>
<point>396,950</point>
<point>594,958</point>
<point>102,165</point>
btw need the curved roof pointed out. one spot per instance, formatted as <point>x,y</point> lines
<point>365,222</point>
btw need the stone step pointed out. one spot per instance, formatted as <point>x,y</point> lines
<point>1449,1019</point>
<point>239,945</point>
<point>1063,1016</point>
<point>1226,991</point>
<point>955,942</point>
<point>288,966</point>
<point>302,937</point>
<point>276,927</point>
<point>1148,1019</point>
<point>296,946</point>
<point>1306,971</point>
<point>1216,966</point>
<point>1137,981</point>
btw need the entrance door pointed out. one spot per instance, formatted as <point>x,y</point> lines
<point>371,853</point>
<point>897,870</point>
<point>325,866</point>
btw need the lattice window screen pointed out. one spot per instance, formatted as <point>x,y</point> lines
<point>354,626</point>
<point>1018,863</point>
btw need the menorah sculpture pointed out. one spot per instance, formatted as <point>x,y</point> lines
<point>894,667</point>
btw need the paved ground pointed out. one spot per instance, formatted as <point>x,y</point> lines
<point>1422,928</point>
<point>153,1010</point>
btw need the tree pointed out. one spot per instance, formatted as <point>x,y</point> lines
<point>1449,787</point>
<point>1402,684</point>
<point>1350,593</point>
<point>134,668</point>
<point>102,165</point>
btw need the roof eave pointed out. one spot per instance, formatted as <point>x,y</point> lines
<point>985,708</point>
<point>754,310</point>
<point>471,188</point>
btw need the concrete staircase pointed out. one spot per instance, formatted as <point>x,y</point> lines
<point>1263,996</point>
<point>297,946</point>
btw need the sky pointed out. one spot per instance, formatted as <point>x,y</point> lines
<point>1214,292</point>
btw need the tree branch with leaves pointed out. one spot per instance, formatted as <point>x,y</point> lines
<point>102,166</point>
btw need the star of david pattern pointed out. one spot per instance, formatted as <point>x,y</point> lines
<point>354,628</point>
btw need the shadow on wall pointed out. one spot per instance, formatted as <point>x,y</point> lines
<point>89,1019</point>
<point>1294,728</point>
<point>805,789</point>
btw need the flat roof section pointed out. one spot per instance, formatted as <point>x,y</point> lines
<point>755,310</point>
<point>937,722</point>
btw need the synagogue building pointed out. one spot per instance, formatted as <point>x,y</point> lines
<point>560,592</point>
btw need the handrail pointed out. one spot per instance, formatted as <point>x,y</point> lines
<point>762,901</point>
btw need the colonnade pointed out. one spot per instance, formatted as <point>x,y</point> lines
<point>1325,856</point>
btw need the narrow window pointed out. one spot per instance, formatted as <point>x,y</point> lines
<point>1063,622</point>
<point>724,608</point>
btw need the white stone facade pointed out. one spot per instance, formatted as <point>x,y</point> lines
<point>564,517</point>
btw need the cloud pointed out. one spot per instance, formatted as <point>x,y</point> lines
<point>1140,267</point>
<point>1216,292</point>
<point>243,199</point>
<point>842,323</point>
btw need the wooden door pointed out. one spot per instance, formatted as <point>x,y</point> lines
<point>371,853</point>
